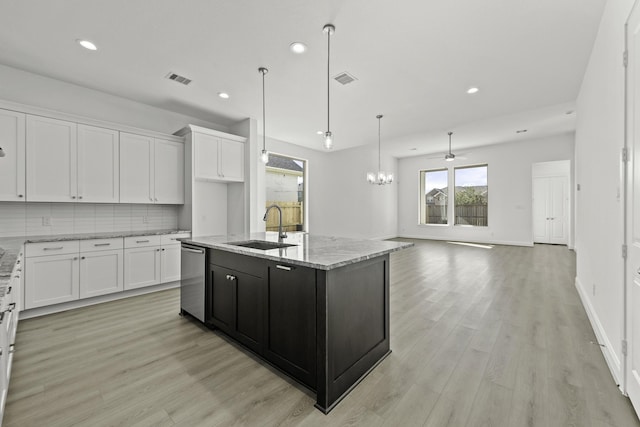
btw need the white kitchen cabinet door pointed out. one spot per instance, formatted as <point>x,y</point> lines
<point>12,170</point>
<point>98,165</point>
<point>141,267</point>
<point>101,273</point>
<point>170,263</point>
<point>206,157</point>
<point>169,172</point>
<point>231,160</point>
<point>51,160</point>
<point>136,168</point>
<point>51,280</point>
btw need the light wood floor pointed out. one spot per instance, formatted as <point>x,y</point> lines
<point>480,337</point>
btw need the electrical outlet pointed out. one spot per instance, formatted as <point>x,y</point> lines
<point>145,219</point>
<point>46,221</point>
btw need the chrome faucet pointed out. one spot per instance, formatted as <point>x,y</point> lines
<point>281,234</point>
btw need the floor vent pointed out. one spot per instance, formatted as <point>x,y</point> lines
<point>178,78</point>
<point>344,78</point>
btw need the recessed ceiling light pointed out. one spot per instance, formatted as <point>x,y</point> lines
<point>223,95</point>
<point>521,131</point>
<point>472,90</point>
<point>87,44</point>
<point>298,47</point>
<point>320,132</point>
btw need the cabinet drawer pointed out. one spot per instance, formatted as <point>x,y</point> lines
<point>52,248</point>
<point>246,264</point>
<point>141,241</point>
<point>101,244</point>
<point>170,239</point>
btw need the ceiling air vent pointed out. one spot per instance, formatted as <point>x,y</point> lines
<point>178,78</point>
<point>344,78</point>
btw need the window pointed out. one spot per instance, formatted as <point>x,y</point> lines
<point>471,196</point>
<point>285,187</point>
<point>434,189</point>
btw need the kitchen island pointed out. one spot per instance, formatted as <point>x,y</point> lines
<point>317,307</point>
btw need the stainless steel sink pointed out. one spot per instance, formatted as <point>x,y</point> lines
<point>262,245</point>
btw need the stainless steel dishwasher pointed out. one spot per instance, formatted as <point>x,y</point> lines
<point>192,281</point>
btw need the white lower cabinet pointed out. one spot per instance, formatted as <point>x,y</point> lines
<point>58,272</point>
<point>101,273</point>
<point>142,267</point>
<point>52,279</point>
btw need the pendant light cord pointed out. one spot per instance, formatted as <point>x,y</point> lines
<point>328,73</point>
<point>379,144</point>
<point>264,137</point>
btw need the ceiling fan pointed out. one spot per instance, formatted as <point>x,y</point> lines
<point>449,156</point>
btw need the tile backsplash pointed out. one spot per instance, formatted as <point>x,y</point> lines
<point>36,219</point>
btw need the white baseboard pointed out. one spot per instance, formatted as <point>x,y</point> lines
<point>42,311</point>
<point>480,241</point>
<point>609,355</point>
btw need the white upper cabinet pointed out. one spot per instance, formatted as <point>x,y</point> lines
<point>151,170</point>
<point>69,162</point>
<point>169,172</point>
<point>51,160</point>
<point>12,141</point>
<point>98,165</point>
<point>218,159</point>
<point>231,160</point>
<point>136,168</point>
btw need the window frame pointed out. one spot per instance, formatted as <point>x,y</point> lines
<point>422,206</point>
<point>451,194</point>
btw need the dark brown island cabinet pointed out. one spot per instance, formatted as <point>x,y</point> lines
<point>327,329</point>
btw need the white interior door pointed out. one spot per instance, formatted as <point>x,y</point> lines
<point>632,363</point>
<point>550,210</point>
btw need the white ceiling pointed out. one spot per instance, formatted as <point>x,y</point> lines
<point>414,61</point>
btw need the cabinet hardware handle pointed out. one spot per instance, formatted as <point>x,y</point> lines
<point>73,197</point>
<point>11,306</point>
<point>157,250</point>
<point>17,276</point>
<point>142,241</point>
<point>75,258</point>
<point>9,290</point>
<point>12,348</point>
<point>101,244</point>
<point>156,199</point>
<point>18,269</point>
<point>283,267</point>
<point>20,195</point>
<point>57,248</point>
<point>151,198</point>
<point>82,258</point>
<point>230,277</point>
<point>162,249</point>
<point>79,197</point>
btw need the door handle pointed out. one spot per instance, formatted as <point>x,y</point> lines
<point>283,267</point>
<point>195,251</point>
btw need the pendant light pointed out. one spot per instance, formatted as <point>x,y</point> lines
<point>379,177</point>
<point>328,137</point>
<point>264,156</point>
<point>450,157</point>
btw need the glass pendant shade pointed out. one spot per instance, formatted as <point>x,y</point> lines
<point>328,140</point>
<point>264,156</point>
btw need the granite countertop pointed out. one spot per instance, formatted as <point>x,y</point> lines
<point>320,252</point>
<point>88,236</point>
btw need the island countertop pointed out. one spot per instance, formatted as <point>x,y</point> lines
<point>309,250</point>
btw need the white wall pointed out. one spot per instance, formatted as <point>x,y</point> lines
<point>510,197</point>
<point>341,202</point>
<point>599,139</point>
